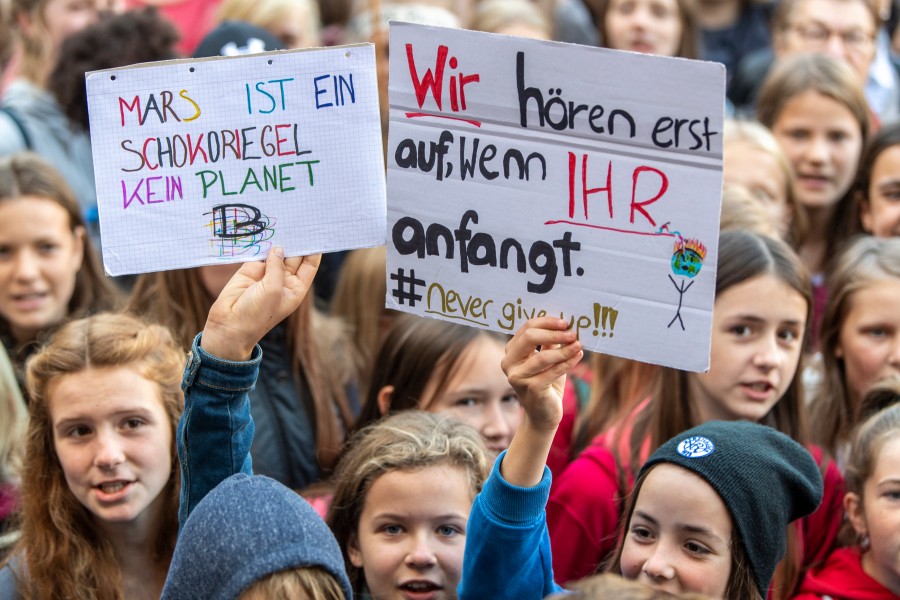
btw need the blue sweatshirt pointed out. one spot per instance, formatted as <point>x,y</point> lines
<point>507,544</point>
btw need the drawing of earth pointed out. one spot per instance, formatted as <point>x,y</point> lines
<point>686,262</point>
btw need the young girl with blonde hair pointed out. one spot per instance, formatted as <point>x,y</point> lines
<point>404,486</point>
<point>403,491</point>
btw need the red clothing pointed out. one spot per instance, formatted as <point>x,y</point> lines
<point>9,500</point>
<point>586,502</point>
<point>842,578</point>
<point>562,440</point>
<point>192,18</point>
<point>583,514</point>
<point>584,510</point>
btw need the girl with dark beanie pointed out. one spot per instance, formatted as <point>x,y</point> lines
<point>708,514</point>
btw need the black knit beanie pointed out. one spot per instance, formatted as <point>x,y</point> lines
<point>765,479</point>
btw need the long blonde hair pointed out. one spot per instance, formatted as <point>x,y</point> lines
<point>62,553</point>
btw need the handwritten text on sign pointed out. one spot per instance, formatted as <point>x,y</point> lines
<point>216,160</point>
<point>534,178</point>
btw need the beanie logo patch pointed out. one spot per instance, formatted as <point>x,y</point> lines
<point>696,447</point>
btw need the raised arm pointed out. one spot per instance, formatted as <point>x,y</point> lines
<point>507,546</point>
<point>216,430</point>
<point>536,362</point>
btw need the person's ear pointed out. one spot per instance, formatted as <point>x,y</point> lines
<point>865,213</point>
<point>78,254</point>
<point>855,514</point>
<point>354,553</point>
<point>384,399</point>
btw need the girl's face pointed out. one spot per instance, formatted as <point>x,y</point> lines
<point>62,18</point>
<point>880,211</point>
<point>113,439</point>
<point>823,141</point>
<point>679,536</point>
<point>412,533</point>
<point>40,257</point>
<point>479,394</point>
<point>757,335</point>
<point>877,515</point>
<point>869,339</point>
<point>760,173</point>
<point>647,26</point>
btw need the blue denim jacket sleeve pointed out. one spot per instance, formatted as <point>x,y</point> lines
<point>507,544</point>
<point>215,430</point>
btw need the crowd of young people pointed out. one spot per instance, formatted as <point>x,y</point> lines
<point>324,447</point>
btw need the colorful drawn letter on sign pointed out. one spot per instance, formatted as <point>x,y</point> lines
<point>200,162</point>
<point>533,178</point>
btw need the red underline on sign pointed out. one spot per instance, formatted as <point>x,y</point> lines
<point>603,227</point>
<point>412,115</point>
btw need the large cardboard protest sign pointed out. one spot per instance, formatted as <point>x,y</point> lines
<point>529,178</point>
<point>216,160</point>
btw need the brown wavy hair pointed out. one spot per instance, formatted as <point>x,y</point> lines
<point>62,554</point>
<point>316,343</point>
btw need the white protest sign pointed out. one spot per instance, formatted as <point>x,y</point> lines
<point>530,178</point>
<point>216,160</point>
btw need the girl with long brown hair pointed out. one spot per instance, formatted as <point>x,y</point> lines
<point>100,478</point>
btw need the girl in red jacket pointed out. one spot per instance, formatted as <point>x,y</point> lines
<point>871,569</point>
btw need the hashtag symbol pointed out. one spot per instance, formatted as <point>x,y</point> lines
<point>401,292</point>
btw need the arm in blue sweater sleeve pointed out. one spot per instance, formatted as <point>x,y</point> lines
<point>507,545</point>
<point>215,431</point>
